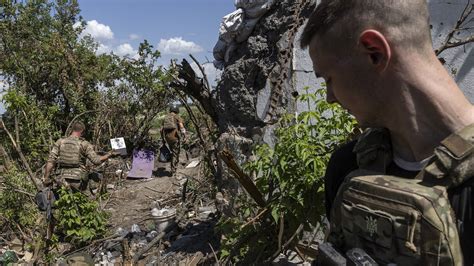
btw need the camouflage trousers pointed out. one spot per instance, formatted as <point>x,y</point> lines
<point>79,185</point>
<point>174,148</point>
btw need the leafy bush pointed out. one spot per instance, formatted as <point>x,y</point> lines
<point>18,207</point>
<point>290,175</point>
<point>79,218</point>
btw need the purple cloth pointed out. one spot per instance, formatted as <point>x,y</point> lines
<point>143,164</point>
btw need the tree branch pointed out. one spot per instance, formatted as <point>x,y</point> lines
<point>204,76</point>
<point>189,83</point>
<point>448,43</point>
<point>454,44</point>
<point>20,153</point>
<point>244,179</point>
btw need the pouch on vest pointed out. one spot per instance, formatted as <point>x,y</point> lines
<point>399,220</point>
<point>69,153</point>
<point>395,220</point>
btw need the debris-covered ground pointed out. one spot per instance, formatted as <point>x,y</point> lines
<point>166,219</point>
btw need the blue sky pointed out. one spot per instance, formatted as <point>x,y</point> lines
<point>175,27</point>
<point>182,26</point>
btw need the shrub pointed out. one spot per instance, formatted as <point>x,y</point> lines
<point>79,219</point>
<point>290,175</point>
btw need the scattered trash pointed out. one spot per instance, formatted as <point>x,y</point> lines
<point>193,164</point>
<point>205,212</point>
<point>135,228</point>
<point>106,259</point>
<point>8,257</point>
<point>150,236</point>
<point>79,259</point>
<point>142,164</point>
<point>27,257</point>
<point>121,232</point>
<point>16,245</point>
<point>164,218</point>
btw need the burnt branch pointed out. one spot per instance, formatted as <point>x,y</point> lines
<point>188,82</point>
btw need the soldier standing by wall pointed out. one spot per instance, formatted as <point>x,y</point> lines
<point>170,133</point>
<point>68,158</point>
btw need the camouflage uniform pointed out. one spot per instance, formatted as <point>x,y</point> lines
<point>172,137</point>
<point>406,221</point>
<point>69,155</point>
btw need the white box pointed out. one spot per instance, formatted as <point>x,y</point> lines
<point>118,145</point>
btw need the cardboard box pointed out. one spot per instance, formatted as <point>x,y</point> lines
<point>118,145</point>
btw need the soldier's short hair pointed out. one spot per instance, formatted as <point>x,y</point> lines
<point>405,22</point>
<point>78,126</point>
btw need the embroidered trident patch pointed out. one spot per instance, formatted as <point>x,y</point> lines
<point>371,225</point>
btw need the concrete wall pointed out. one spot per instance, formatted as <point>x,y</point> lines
<point>459,60</point>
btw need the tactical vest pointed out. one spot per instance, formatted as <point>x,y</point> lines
<point>170,122</point>
<point>70,155</point>
<point>399,220</point>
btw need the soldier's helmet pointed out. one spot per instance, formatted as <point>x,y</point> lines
<point>174,109</point>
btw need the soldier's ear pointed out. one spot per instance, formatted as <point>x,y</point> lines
<point>376,47</point>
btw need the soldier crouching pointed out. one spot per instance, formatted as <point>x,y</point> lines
<point>68,159</point>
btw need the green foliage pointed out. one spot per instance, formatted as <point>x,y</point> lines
<point>49,62</point>
<point>17,207</point>
<point>35,125</point>
<point>137,96</point>
<point>79,219</point>
<point>290,175</point>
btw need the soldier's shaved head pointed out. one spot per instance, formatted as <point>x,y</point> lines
<point>403,22</point>
<point>78,126</point>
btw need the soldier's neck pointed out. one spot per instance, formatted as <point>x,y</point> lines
<point>76,134</point>
<point>431,110</point>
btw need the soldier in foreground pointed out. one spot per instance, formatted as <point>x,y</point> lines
<point>172,132</point>
<point>404,191</point>
<point>68,159</point>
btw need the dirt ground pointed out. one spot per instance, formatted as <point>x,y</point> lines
<point>191,239</point>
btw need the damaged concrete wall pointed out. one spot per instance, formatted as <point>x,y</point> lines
<point>254,87</point>
<point>248,95</point>
<point>262,62</point>
<point>262,73</point>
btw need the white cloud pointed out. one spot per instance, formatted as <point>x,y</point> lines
<point>125,49</point>
<point>103,49</point>
<point>97,30</point>
<point>106,41</point>
<point>133,36</point>
<point>178,46</point>
<point>211,72</point>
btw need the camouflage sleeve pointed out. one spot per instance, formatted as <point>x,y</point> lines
<point>54,154</point>
<point>89,153</point>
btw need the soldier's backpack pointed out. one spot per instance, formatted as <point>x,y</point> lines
<point>170,122</point>
<point>399,220</point>
<point>69,153</point>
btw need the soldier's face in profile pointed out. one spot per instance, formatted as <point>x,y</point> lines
<point>349,79</point>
